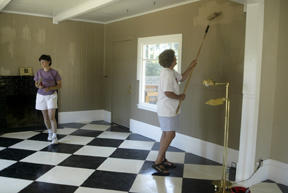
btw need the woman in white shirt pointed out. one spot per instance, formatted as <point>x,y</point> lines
<point>168,99</point>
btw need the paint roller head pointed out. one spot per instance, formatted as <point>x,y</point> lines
<point>214,15</point>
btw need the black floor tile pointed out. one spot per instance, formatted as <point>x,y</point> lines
<point>283,188</point>
<point>156,146</point>
<point>62,148</point>
<point>7,142</point>
<point>44,136</point>
<point>41,187</point>
<point>106,142</point>
<point>269,181</point>
<point>137,137</point>
<point>178,171</point>
<point>110,180</point>
<point>80,161</point>
<point>118,128</point>
<point>23,170</point>
<point>148,170</point>
<point>100,123</point>
<point>194,159</point>
<point>197,186</point>
<point>15,154</point>
<point>71,125</point>
<point>130,154</point>
<point>86,133</point>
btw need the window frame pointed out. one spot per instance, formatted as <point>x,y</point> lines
<point>140,65</point>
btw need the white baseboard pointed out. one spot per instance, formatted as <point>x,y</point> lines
<point>84,116</point>
<point>270,170</point>
<point>186,143</point>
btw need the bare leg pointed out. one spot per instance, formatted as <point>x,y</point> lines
<point>51,113</point>
<point>166,139</point>
<point>46,119</point>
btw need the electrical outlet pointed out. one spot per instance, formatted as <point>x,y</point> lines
<point>25,71</point>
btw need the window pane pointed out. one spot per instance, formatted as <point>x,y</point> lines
<point>152,73</point>
<point>152,51</point>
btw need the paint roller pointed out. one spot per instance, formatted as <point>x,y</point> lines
<point>210,18</point>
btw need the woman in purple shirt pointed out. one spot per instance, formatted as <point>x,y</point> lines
<point>48,81</point>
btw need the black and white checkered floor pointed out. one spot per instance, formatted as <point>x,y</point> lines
<point>100,158</point>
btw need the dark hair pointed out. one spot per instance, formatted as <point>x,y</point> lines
<point>166,58</point>
<point>47,58</point>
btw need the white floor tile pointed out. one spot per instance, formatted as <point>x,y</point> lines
<point>1,148</point>
<point>49,158</point>
<point>121,165</point>
<point>113,135</point>
<point>64,131</point>
<point>85,122</point>
<point>95,127</point>
<point>157,184</point>
<point>97,151</point>
<point>207,172</point>
<point>176,157</point>
<point>31,145</point>
<point>66,175</point>
<point>143,145</point>
<point>95,190</point>
<point>265,188</point>
<point>12,185</point>
<point>4,163</point>
<point>20,135</point>
<point>79,140</point>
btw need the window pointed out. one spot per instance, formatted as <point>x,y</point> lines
<point>148,68</point>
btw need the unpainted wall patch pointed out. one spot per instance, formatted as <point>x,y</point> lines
<point>210,7</point>
<point>41,36</point>
<point>26,33</point>
<point>7,35</point>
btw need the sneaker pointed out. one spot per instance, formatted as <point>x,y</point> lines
<point>54,140</point>
<point>49,137</point>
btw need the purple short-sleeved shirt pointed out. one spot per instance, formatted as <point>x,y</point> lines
<point>49,78</point>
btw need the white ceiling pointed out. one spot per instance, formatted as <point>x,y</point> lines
<point>84,10</point>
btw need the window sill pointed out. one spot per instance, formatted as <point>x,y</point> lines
<point>147,107</point>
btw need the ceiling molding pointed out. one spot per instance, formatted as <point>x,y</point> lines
<point>49,16</point>
<point>152,11</point>
<point>87,21</point>
<point>3,4</point>
<point>80,9</point>
<point>26,13</point>
<point>240,1</point>
<point>245,2</point>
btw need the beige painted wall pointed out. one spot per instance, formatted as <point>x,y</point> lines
<point>272,129</point>
<point>280,127</point>
<point>221,59</point>
<point>76,49</point>
<point>268,79</point>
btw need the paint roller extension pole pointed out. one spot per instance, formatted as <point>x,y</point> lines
<point>190,75</point>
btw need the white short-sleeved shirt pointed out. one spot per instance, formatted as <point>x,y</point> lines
<point>169,81</point>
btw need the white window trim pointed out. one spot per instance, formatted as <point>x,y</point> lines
<point>140,67</point>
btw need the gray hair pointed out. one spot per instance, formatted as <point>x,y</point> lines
<point>166,58</point>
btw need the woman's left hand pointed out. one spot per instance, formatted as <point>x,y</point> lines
<point>193,63</point>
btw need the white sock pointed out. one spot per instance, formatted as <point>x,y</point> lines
<point>54,135</point>
<point>50,131</point>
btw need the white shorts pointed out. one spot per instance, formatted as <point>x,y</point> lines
<point>169,123</point>
<point>45,102</point>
